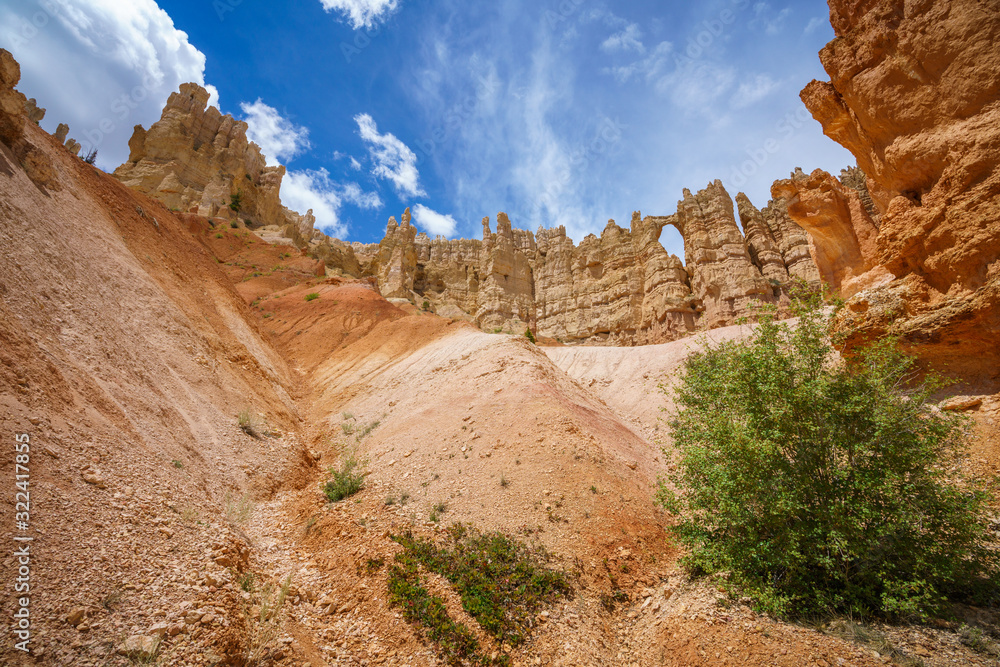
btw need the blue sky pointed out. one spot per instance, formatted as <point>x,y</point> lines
<point>555,111</point>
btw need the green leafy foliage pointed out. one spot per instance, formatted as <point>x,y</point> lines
<point>530,336</point>
<point>236,201</point>
<point>346,481</point>
<point>501,582</point>
<point>822,485</point>
<point>312,296</point>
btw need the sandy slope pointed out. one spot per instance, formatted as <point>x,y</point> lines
<point>629,379</point>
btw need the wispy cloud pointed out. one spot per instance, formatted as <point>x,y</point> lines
<point>362,13</point>
<point>315,190</point>
<point>651,68</point>
<point>764,19</point>
<point>433,222</point>
<point>393,159</point>
<point>625,40</point>
<point>753,90</point>
<point>279,139</point>
<point>814,24</point>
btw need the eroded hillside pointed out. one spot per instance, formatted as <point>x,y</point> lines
<point>134,336</point>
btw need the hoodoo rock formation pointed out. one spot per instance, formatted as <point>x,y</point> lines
<point>196,159</point>
<point>915,97</point>
<point>15,111</point>
<point>622,288</point>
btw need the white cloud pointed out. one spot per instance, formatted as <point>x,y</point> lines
<point>355,165</point>
<point>814,23</point>
<point>652,67</point>
<point>313,189</point>
<point>393,159</point>
<point>771,25</point>
<point>362,13</point>
<point>279,139</point>
<point>101,66</point>
<point>433,222</point>
<point>629,39</point>
<point>753,90</point>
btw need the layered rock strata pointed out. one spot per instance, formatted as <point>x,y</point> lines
<point>197,159</point>
<point>620,288</point>
<point>913,94</point>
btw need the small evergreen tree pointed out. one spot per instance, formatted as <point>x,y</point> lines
<point>824,485</point>
<point>530,336</point>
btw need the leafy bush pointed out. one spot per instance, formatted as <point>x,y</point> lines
<point>824,485</point>
<point>312,296</point>
<point>236,201</point>
<point>346,481</point>
<point>502,584</point>
<point>530,336</point>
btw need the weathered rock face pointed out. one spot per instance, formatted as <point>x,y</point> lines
<point>841,233</point>
<point>12,103</point>
<point>723,277</point>
<point>915,97</point>
<point>196,158</point>
<point>506,289</point>
<point>395,264</point>
<point>622,288</point>
<point>15,113</point>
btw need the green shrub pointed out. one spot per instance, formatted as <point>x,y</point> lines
<point>346,481</point>
<point>822,485</point>
<point>502,584</point>
<point>530,336</point>
<point>236,201</point>
<point>312,296</point>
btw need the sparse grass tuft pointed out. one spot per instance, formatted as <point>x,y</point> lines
<point>368,428</point>
<point>312,296</point>
<point>265,620</point>
<point>247,581</point>
<point>239,510</point>
<point>177,464</point>
<point>504,482</point>
<point>252,423</point>
<point>346,481</point>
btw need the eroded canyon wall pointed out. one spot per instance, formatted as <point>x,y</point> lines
<point>197,159</point>
<point>914,95</point>
<point>619,288</point>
